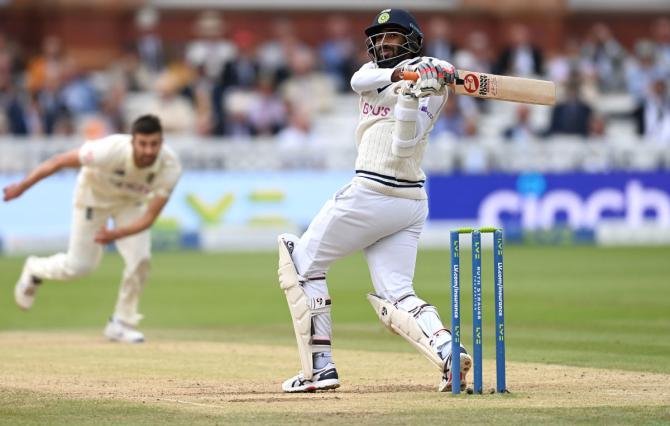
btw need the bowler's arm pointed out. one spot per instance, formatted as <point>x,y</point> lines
<point>154,208</point>
<point>69,159</point>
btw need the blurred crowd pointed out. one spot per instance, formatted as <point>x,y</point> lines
<point>589,72</point>
<point>234,84</point>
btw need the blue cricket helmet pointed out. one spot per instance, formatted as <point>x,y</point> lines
<point>394,21</point>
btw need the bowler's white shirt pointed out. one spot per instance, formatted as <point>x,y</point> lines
<point>109,176</point>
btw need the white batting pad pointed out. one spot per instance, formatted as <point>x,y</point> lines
<point>297,305</point>
<point>404,324</point>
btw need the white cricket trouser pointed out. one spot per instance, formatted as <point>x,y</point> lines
<point>386,228</point>
<point>84,254</point>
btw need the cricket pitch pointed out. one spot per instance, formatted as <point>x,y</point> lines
<point>79,377</point>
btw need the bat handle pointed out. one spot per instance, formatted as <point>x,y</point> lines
<point>409,75</point>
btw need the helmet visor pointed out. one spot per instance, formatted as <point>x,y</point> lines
<point>389,48</point>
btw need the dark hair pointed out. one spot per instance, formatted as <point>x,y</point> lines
<point>147,124</point>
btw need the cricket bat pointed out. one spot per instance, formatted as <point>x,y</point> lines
<point>501,87</point>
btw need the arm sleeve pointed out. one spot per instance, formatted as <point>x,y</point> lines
<point>414,119</point>
<point>369,77</point>
<point>96,153</point>
<point>428,113</point>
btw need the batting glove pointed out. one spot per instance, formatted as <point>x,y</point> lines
<point>428,83</point>
<point>446,72</point>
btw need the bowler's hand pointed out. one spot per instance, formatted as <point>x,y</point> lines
<point>12,191</point>
<point>105,236</point>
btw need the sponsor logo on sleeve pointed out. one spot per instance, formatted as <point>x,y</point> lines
<point>428,113</point>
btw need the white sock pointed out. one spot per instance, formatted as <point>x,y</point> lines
<point>321,359</point>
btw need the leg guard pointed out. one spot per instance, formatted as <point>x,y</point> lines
<point>302,308</point>
<point>406,325</point>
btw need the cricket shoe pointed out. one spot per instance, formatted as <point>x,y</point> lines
<point>466,364</point>
<point>323,379</point>
<point>26,287</point>
<point>118,331</point>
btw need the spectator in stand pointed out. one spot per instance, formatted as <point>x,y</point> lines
<point>305,79</point>
<point>477,54</point>
<point>237,105</point>
<point>450,123</point>
<point>50,107</point>
<point>298,133</point>
<point>607,57</point>
<point>338,52</point>
<point>12,53</point>
<point>50,62</point>
<point>12,114</point>
<point>131,72</point>
<point>598,128</point>
<point>571,116</point>
<point>241,71</point>
<point>202,91</point>
<point>473,157</point>
<point>568,62</point>
<point>641,69</point>
<point>112,120</point>
<point>79,95</point>
<point>661,33</point>
<point>174,110</point>
<point>521,131</point>
<point>267,111</point>
<point>210,49</point>
<point>439,42</point>
<point>149,44</point>
<point>274,54</point>
<point>521,58</point>
<point>297,142</point>
<point>653,113</point>
<point>593,159</point>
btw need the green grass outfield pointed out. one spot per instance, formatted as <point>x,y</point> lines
<point>573,306</point>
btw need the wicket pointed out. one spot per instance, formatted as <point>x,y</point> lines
<point>477,307</point>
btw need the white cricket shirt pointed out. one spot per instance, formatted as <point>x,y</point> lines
<point>376,166</point>
<point>109,177</point>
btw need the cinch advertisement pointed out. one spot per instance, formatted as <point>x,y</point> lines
<point>543,201</point>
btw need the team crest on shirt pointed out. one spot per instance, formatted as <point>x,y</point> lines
<point>120,172</point>
<point>151,178</point>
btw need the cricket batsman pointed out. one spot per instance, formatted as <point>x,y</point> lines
<point>381,211</point>
<point>125,178</point>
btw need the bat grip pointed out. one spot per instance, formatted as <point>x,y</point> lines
<point>409,75</point>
